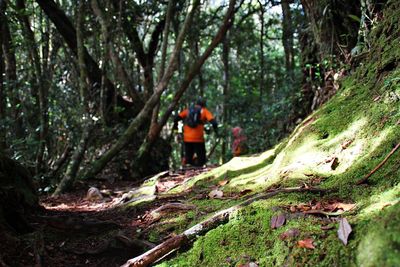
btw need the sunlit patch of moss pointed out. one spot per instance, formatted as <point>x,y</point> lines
<point>381,200</point>
<point>380,245</point>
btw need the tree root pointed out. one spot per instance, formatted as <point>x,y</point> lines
<point>190,235</point>
<point>365,179</point>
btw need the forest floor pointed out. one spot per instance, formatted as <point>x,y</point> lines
<point>80,229</point>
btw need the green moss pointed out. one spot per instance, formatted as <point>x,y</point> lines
<point>380,245</point>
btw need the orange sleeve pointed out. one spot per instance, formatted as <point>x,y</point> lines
<point>183,114</point>
<point>207,114</point>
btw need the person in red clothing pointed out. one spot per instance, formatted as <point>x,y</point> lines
<point>194,119</point>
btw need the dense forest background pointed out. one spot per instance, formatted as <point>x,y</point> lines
<point>90,165</point>
<point>93,86</point>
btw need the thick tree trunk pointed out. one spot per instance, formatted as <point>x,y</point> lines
<point>17,197</point>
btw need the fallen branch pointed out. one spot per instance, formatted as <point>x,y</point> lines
<point>190,235</point>
<point>363,180</point>
<point>156,214</point>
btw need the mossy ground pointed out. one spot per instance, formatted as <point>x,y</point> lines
<point>358,127</point>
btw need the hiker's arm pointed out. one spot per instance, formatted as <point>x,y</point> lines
<point>214,125</point>
<point>182,115</point>
<point>176,120</point>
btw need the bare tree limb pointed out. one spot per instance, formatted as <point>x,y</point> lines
<point>363,180</point>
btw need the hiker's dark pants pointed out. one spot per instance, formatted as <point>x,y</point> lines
<point>195,148</point>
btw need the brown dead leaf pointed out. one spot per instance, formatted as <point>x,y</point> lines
<point>278,221</point>
<point>334,163</point>
<point>346,144</point>
<point>293,232</point>
<point>346,207</point>
<point>216,194</point>
<point>344,230</point>
<point>223,182</point>
<point>306,243</point>
<point>331,207</point>
<point>293,209</point>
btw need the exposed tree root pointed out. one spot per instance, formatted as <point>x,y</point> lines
<point>190,235</point>
<point>365,179</point>
<point>156,214</point>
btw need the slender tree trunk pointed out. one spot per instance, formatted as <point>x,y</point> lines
<point>287,38</point>
<point>226,89</point>
<point>3,130</point>
<point>11,73</point>
<point>262,64</point>
<point>78,155</point>
<point>76,160</point>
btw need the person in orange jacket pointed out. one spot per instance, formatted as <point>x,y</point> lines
<point>194,119</point>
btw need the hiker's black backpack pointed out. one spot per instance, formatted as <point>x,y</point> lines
<point>194,116</point>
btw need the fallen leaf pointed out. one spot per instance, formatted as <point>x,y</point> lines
<point>278,221</point>
<point>292,209</point>
<point>223,182</point>
<point>346,144</point>
<point>293,232</point>
<point>344,230</point>
<point>216,194</point>
<point>346,207</point>
<point>306,243</point>
<point>334,163</point>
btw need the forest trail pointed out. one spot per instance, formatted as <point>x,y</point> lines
<point>80,229</point>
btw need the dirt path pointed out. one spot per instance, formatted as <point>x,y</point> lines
<point>72,230</point>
